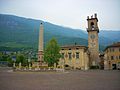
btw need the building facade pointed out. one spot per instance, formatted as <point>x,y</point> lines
<point>112,56</point>
<point>83,57</point>
<point>75,56</point>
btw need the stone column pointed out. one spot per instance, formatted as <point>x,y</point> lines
<point>29,66</point>
<point>54,66</point>
<point>86,61</point>
<point>14,65</point>
<point>41,45</point>
<point>20,65</point>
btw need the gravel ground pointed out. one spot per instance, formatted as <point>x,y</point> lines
<point>71,80</point>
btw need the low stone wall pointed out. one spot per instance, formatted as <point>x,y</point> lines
<point>38,70</point>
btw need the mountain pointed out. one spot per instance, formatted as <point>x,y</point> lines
<point>19,32</point>
<point>111,35</point>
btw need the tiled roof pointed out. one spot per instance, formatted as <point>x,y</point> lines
<point>73,46</point>
<point>113,45</point>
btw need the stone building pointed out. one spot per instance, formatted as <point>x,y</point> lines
<point>112,56</point>
<point>75,56</point>
<point>83,57</point>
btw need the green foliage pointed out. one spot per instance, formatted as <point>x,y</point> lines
<point>19,33</point>
<point>21,58</point>
<point>6,57</point>
<point>51,53</point>
<point>10,61</point>
<point>3,57</point>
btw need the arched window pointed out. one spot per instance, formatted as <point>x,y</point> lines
<point>92,25</point>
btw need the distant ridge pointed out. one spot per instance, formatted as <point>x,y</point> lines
<point>19,32</point>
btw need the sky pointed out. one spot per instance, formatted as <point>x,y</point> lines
<point>68,13</point>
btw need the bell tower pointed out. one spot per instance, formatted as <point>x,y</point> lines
<point>93,43</point>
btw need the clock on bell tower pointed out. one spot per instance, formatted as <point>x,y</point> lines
<point>93,43</point>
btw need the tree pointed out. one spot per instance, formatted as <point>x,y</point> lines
<point>21,58</point>
<point>10,61</point>
<point>51,52</point>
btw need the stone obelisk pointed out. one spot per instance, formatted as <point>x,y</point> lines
<point>40,46</point>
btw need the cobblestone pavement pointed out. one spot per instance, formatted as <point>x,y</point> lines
<point>71,80</point>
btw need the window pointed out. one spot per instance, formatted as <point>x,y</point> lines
<point>77,48</point>
<point>62,49</point>
<point>69,56</point>
<point>119,57</point>
<point>112,49</point>
<point>77,55</point>
<point>62,55</point>
<point>69,48</point>
<point>116,57</point>
<point>112,57</point>
<point>92,25</point>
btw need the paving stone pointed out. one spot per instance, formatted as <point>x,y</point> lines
<point>72,80</point>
